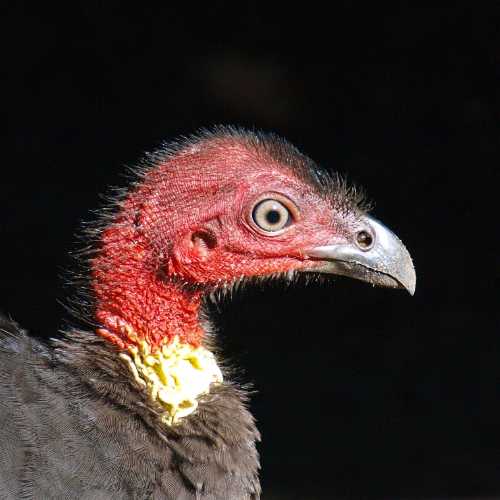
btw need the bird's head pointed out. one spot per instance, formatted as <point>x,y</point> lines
<point>204,215</point>
<point>220,208</point>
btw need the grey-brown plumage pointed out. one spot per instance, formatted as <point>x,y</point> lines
<point>74,425</point>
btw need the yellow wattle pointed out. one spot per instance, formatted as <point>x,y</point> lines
<point>174,376</point>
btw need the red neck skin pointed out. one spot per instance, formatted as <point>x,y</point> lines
<point>136,299</point>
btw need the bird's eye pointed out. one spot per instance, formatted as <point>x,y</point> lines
<point>271,215</point>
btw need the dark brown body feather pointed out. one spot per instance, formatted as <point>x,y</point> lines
<point>75,425</point>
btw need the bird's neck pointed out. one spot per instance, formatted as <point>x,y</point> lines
<point>154,321</point>
<point>137,301</point>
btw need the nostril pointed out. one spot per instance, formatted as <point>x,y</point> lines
<point>364,240</point>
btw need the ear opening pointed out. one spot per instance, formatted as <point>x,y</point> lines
<point>203,242</point>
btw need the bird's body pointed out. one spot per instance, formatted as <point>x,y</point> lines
<point>75,426</point>
<point>136,405</point>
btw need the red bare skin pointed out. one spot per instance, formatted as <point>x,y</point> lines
<point>189,222</point>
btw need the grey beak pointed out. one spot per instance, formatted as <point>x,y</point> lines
<point>385,262</point>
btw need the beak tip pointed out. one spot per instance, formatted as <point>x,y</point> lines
<point>410,283</point>
<point>408,277</point>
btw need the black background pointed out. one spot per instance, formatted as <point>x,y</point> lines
<point>362,392</point>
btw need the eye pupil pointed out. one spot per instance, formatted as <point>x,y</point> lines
<point>273,217</point>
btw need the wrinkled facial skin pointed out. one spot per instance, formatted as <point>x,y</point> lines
<point>232,245</point>
<point>207,229</point>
